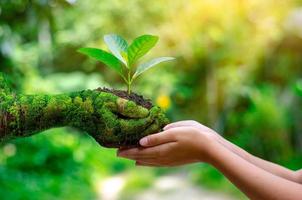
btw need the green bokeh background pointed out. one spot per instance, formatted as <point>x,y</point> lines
<point>238,70</point>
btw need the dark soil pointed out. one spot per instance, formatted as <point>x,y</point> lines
<point>138,99</point>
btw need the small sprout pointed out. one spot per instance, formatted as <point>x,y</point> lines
<point>123,58</point>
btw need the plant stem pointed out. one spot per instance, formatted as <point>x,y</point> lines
<point>128,89</point>
<point>129,83</point>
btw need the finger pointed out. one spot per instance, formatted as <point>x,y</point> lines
<point>180,124</point>
<point>157,139</point>
<point>134,125</point>
<point>159,120</point>
<point>145,164</point>
<point>155,127</point>
<point>132,129</point>
<point>131,109</point>
<point>155,153</point>
<point>121,149</point>
<point>138,153</point>
<point>135,129</point>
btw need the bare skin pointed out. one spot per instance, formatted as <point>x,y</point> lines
<point>187,142</point>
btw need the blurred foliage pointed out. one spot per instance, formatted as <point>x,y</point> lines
<point>214,180</point>
<point>137,181</point>
<point>238,70</point>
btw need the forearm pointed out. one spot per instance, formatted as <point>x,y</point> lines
<point>255,182</point>
<point>23,115</point>
<point>263,164</point>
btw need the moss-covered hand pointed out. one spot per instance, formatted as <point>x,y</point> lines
<point>112,121</point>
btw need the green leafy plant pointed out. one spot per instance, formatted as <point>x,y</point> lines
<point>123,57</point>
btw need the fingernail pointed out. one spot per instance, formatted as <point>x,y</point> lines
<point>144,141</point>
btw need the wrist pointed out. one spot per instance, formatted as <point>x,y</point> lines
<point>218,155</point>
<point>81,111</point>
<point>207,149</point>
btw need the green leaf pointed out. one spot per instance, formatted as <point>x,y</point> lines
<point>147,65</point>
<point>104,57</point>
<point>117,45</point>
<point>140,46</point>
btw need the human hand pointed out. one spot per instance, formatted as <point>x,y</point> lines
<point>172,147</point>
<point>191,123</point>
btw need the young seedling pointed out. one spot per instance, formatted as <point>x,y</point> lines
<point>124,57</point>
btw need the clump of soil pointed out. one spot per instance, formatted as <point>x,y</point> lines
<point>138,99</point>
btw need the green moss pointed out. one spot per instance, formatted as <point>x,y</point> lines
<point>111,120</point>
<point>134,111</point>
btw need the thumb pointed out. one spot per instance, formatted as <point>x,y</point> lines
<point>157,139</point>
